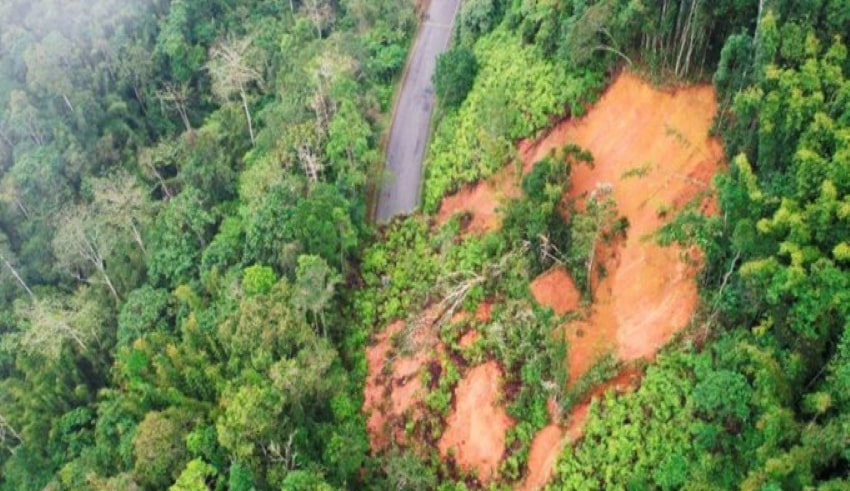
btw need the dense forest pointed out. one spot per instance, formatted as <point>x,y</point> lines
<point>190,276</point>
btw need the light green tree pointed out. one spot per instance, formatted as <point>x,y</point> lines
<point>315,286</point>
<point>195,477</point>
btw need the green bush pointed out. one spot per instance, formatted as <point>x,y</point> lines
<point>258,280</point>
<point>517,92</point>
<point>455,74</point>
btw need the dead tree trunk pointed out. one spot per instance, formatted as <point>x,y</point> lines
<point>17,277</point>
<point>7,431</point>
<point>310,162</point>
<point>244,98</point>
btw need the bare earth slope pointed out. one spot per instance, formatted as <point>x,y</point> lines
<point>475,431</point>
<point>652,147</point>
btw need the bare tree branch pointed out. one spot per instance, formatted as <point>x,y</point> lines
<point>7,433</point>
<point>231,73</point>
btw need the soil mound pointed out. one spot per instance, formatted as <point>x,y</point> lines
<point>475,431</point>
<point>542,457</point>
<point>374,392</point>
<point>468,340</point>
<point>555,289</point>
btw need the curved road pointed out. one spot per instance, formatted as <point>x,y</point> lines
<point>412,116</point>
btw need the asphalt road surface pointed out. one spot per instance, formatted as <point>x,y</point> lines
<point>412,117</point>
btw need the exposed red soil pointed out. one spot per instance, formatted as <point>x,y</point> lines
<point>484,312</point>
<point>393,385</point>
<point>475,431</point>
<point>542,457</point>
<point>482,201</point>
<point>374,392</point>
<point>648,292</point>
<point>468,339</point>
<point>482,315</point>
<point>555,289</point>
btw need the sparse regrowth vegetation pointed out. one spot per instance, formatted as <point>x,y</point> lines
<point>516,93</point>
<point>191,286</point>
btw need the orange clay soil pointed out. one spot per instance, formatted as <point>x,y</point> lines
<point>393,385</point>
<point>652,147</point>
<point>374,392</point>
<point>648,292</point>
<point>394,392</point>
<point>555,289</point>
<point>475,431</point>
<point>468,340</point>
<point>481,201</point>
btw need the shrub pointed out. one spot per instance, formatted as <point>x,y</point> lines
<point>456,70</point>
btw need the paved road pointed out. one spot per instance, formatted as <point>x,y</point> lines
<point>409,133</point>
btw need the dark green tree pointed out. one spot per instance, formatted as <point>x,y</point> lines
<point>455,75</point>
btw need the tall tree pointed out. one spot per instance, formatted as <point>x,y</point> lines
<point>122,202</point>
<point>8,266</point>
<point>320,13</point>
<point>175,97</point>
<point>231,68</point>
<point>50,323</point>
<point>82,244</point>
<point>194,477</point>
<point>315,284</point>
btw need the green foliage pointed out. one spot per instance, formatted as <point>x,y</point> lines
<point>194,477</point>
<point>525,341</point>
<point>516,93</point>
<point>225,249</point>
<point>350,149</point>
<point>146,310</point>
<point>159,448</point>
<point>406,471</point>
<point>315,285</point>
<point>723,394</point>
<point>477,18</point>
<point>454,76</point>
<point>179,234</point>
<point>304,481</point>
<point>249,419</point>
<point>595,224</point>
<point>321,223</point>
<point>628,441</point>
<point>538,218</point>
<point>258,280</point>
<point>92,153</point>
<point>398,273</point>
